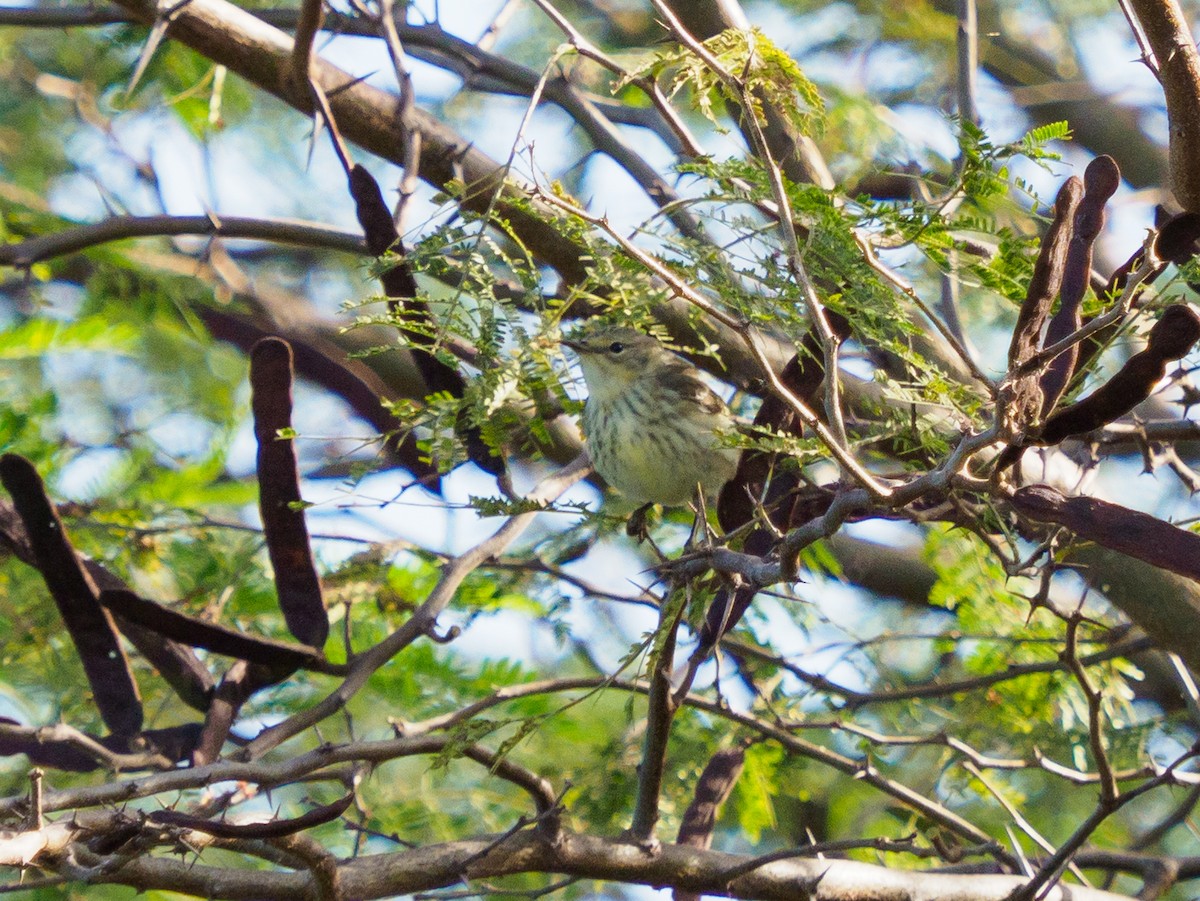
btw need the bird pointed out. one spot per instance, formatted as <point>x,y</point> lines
<point>653,427</point>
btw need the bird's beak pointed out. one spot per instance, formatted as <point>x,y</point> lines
<point>574,345</point>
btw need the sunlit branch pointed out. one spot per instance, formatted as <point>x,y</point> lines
<point>688,144</point>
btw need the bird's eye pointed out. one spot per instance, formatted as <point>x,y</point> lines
<point>616,347</point>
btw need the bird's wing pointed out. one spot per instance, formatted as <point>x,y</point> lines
<point>683,380</point>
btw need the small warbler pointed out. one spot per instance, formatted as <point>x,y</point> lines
<point>651,422</point>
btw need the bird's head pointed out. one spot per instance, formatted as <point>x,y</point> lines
<point>613,357</point>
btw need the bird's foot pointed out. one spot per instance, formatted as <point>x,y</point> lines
<point>638,525</point>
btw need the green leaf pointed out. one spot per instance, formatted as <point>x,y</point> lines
<point>36,337</point>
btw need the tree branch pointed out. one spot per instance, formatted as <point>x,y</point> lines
<point>589,857</point>
<point>23,254</point>
<point>1169,36</point>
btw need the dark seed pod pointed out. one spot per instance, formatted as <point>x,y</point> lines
<point>296,580</point>
<point>1047,277</point>
<point>400,286</point>
<point>1020,396</point>
<point>1170,339</point>
<point>199,633</point>
<point>89,625</point>
<point>713,787</point>
<point>1177,241</point>
<point>1100,181</point>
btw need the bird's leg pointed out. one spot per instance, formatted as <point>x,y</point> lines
<point>637,526</point>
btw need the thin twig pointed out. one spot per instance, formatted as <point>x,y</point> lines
<point>1108,781</point>
<point>1023,824</point>
<point>492,32</point>
<point>901,285</point>
<point>36,816</point>
<point>791,743</point>
<point>690,147</point>
<point>819,849</point>
<point>1147,268</point>
<point>968,60</point>
<point>307,26</point>
<point>321,102</point>
<point>1187,687</point>
<point>1041,883</point>
<point>785,220</point>
<point>1139,36</point>
<point>660,713</point>
<point>412,135</point>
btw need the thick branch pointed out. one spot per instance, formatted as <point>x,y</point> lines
<point>590,857</point>
<point>1166,30</point>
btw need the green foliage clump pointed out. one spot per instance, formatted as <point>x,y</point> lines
<point>770,77</point>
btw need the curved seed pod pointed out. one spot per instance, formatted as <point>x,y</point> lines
<point>1170,338</point>
<point>1177,241</point>
<point>176,663</point>
<point>712,789</point>
<point>296,580</point>
<point>1019,398</point>
<point>1100,181</point>
<point>400,287</point>
<point>89,625</point>
<point>1115,527</point>
<point>240,681</point>
<point>1046,280</point>
<point>213,637</point>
